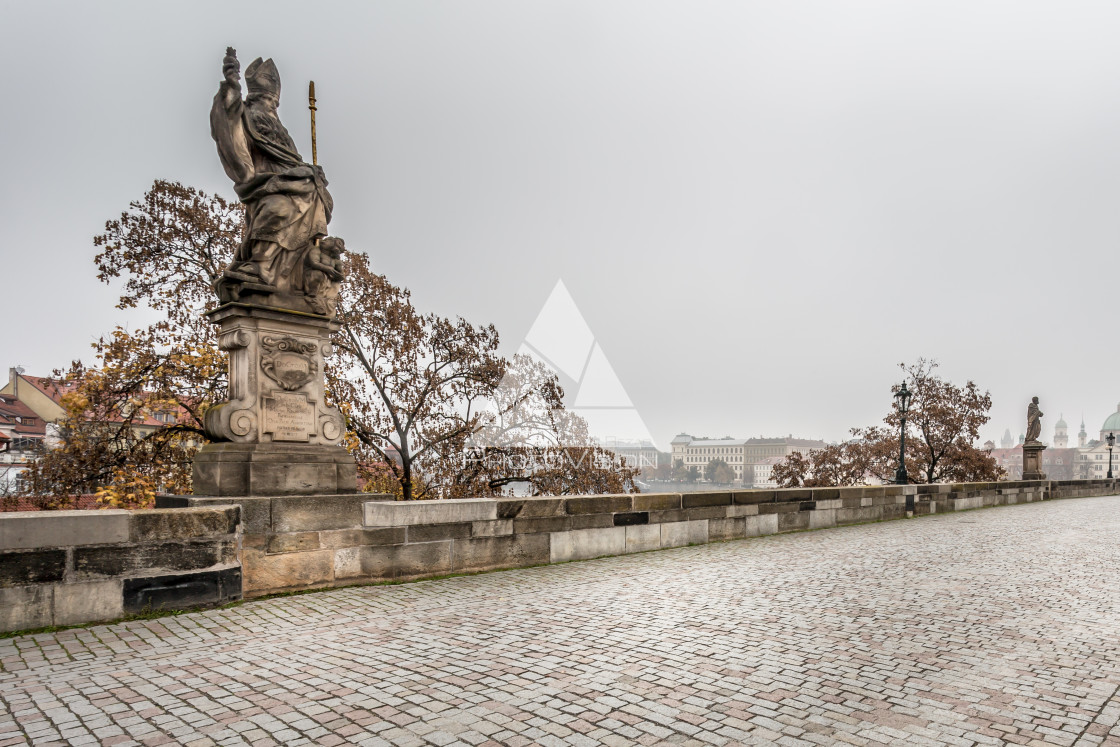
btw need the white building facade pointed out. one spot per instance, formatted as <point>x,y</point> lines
<point>752,459</point>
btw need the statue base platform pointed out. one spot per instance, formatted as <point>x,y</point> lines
<point>276,434</point>
<point>250,469</point>
<point>1032,461</point>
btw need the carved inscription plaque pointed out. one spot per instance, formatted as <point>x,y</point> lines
<point>288,417</point>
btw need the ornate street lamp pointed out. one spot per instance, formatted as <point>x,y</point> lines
<point>903,396</point>
<point>1111,442</point>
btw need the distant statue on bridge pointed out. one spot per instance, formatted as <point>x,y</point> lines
<point>1034,421</point>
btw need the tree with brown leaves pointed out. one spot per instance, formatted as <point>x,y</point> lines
<point>942,426</point>
<point>414,387</point>
<point>832,465</point>
<point>409,384</point>
<point>134,420</point>
<point>429,401</point>
<point>529,442</point>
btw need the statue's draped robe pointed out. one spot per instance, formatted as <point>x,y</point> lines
<point>287,204</point>
<point>1034,423</point>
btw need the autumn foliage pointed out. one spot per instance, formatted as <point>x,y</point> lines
<point>415,388</point>
<point>431,403</point>
<point>942,424</point>
<point>134,420</point>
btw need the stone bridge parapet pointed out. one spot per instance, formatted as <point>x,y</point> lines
<point>71,567</point>
<point>301,542</point>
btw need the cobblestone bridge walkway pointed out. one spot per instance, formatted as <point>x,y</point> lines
<point>985,627</point>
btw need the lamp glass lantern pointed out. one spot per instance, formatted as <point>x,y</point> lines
<point>903,396</point>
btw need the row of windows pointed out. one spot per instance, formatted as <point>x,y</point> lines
<point>715,450</point>
<point>733,450</point>
<point>705,460</point>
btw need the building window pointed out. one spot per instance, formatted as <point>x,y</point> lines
<point>24,444</point>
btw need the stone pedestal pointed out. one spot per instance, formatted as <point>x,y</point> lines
<point>275,468</point>
<point>275,435</point>
<point>1032,461</point>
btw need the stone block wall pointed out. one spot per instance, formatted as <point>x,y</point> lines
<point>310,542</point>
<point>71,567</point>
<point>294,542</point>
<point>1057,489</point>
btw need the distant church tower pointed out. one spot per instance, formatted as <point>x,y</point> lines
<point>1061,437</point>
<point>1082,437</point>
<point>1007,441</point>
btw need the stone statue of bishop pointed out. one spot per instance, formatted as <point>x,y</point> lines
<point>287,205</point>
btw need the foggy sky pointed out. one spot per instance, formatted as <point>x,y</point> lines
<point>759,208</point>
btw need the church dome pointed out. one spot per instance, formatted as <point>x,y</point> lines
<point>1061,423</point>
<point>1112,422</point>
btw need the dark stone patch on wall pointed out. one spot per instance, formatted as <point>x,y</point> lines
<point>598,504</point>
<point>632,518</point>
<point>182,590</point>
<point>31,567</point>
<point>699,500</point>
<point>96,561</point>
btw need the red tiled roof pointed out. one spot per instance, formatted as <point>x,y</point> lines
<point>53,388</point>
<point>23,418</point>
<point>56,389</point>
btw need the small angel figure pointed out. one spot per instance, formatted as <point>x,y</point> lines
<point>323,273</point>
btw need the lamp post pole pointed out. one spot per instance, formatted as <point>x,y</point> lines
<point>1111,442</point>
<point>903,396</point>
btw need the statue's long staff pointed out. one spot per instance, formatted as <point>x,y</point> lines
<point>311,106</point>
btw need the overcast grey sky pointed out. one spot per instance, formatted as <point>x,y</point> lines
<point>759,208</point>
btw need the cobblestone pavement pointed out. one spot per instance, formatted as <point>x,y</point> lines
<point>985,627</point>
